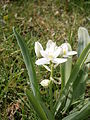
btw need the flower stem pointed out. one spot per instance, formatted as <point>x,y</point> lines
<point>50,89</point>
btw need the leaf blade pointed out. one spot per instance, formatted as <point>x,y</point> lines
<point>75,71</point>
<point>28,63</point>
<point>36,105</point>
<point>80,115</point>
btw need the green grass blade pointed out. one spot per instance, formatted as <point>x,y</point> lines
<point>36,105</point>
<point>28,63</point>
<point>83,114</point>
<point>73,76</point>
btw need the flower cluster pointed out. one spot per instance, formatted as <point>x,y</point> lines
<point>52,54</point>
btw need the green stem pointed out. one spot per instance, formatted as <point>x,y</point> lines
<point>50,89</point>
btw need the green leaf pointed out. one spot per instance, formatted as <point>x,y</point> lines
<point>80,84</point>
<point>47,111</point>
<point>68,68</point>
<point>28,63</point>
<point>83,40</point>
<point>65,71</point>
<point>69,98</point>
<point>72,78</point>
<point>31,72</point>
<point>36,105</point>
<point>77,90</point>
<point>83,114</point>
<point>78,105</point>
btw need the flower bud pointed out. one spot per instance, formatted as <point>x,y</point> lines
<point>67,50</point>
<point>45,83</point>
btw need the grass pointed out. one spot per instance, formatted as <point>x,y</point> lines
<point>36,21</point>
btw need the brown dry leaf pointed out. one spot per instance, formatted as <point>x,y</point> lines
<point>12,109</point>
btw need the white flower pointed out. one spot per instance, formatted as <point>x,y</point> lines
<point>45,83</point>
<point>67,50</point>
<point>38,47</point>
<point>50,54</point>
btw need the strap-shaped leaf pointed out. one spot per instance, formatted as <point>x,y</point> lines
<point>80,84</point>
<point>78,105</point>
<point>65,71</point>
<point>28,63</point>
<point>50,116</point>
<point>31,72</point>
<point>83,114</point>
<point>73,76</point>
<point>77,90</point>
<point>69,98</point>
<point>83,40</point>
<point>36,105</point>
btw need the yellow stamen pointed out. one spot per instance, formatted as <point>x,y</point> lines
<point>50,57</point>
<point>64,51</point>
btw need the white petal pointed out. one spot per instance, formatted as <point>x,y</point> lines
<point>59,60</point>
<point>45,83</point>
<point>38,47</point>
<point>66,46</point>
<point>47,67</point>
<point>44,53</point>
<point>72,53</point>
<point>50,46</point>
<point>58,51</point>
<point>42,61</point>
<point>56,82</point>
<point>65,56</point>
<point>56,65</point>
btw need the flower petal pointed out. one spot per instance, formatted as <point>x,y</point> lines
<point>71,53</point>
<point>59,60</point>
<point>58,51</point>
<point>50,46</point>
<point>42,61</point>
<point>47,67</point>
<point>66,46</point>
<point>65,56</point>
<point>56,82</point>
<point>44,53</point>
<point>45,83</point>
<point>38,47</point>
